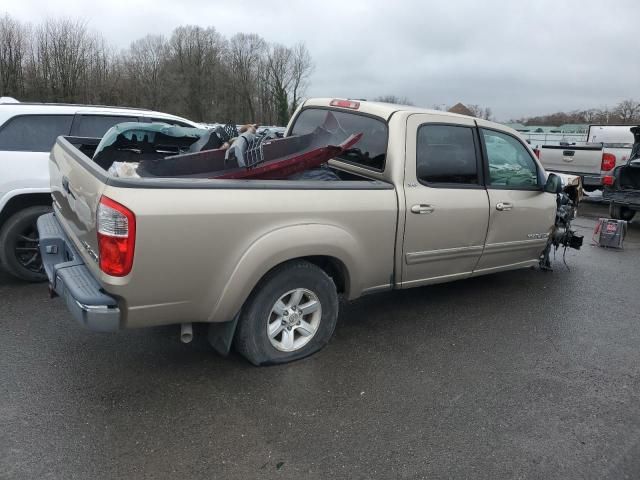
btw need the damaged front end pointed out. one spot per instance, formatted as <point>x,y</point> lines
<point>568,195</point>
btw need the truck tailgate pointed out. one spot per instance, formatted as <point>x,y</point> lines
<point>76,190</point>
<point>572,159</point>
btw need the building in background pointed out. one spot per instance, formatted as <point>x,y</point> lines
<point>461,109</point>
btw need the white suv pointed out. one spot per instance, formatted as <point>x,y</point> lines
<point>27,133</point>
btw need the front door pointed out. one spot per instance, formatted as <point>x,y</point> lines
<point>521,214</point>
<point>447,209</point>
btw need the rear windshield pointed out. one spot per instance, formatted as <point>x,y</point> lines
<point>369,152</point>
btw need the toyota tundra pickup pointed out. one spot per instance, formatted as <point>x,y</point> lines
<point>423,197</point>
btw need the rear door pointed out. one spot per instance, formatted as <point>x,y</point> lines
<point>521,214</point>
<point>447,208</point>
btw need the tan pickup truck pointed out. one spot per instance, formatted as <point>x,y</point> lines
<point>422,198</point>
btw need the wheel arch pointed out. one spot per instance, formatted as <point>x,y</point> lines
<point>329,247</point>
<point>13,202</point>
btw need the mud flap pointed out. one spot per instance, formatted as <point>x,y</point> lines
<point>220,335</point>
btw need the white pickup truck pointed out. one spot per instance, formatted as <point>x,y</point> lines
<point>606,148</point>
<point>27,133</point>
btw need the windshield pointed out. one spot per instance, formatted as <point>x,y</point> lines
<point>369,152</point>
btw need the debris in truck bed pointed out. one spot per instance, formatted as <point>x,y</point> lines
<point>124,170</point>
<point>134,141</point>
<point>159,150</point>
<point>284,167</point>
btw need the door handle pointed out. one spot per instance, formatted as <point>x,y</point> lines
<point>66,187</point>
<point>421,209</point>
<point>504,206</point>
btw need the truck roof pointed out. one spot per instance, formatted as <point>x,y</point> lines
<point>386,110</point>
<point>29,108</point>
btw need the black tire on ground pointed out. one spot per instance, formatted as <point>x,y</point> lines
<point>20,232</point>
<point>621,213</point>
<point>252,340</point>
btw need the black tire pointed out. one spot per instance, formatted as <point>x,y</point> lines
<point>19,257</point>
<point>621,213</point>
<point>251,339</point>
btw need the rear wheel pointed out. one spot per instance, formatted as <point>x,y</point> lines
<point>291,314</point>
<point>19,252</point>
<point>621,213</point>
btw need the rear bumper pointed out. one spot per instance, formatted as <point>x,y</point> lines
<point>592,180</point>
<point>627,198</point>
<point>70,278</point>
<point>588,179</point>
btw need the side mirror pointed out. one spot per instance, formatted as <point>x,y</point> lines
<point>554,184</point>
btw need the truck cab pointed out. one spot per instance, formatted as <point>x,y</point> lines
<point>473,179</point>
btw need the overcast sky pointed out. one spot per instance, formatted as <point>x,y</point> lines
<point>518,59</point>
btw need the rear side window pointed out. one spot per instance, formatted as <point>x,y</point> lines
<point>446,155</point>
<point>95,126</point>
<point>33,133</point>
<point>369,152</point>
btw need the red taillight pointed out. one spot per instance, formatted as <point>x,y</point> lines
<point>345,104</point>
<point>608,180</point>
<point>116,226</point>
<point>608,162</point>
<point>536,151</point>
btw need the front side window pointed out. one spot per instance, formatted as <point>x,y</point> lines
<point>33,133</point>
<point>369,152</point>
<point>95,126</point>
<point>446,155</point>
<point>510,163</point>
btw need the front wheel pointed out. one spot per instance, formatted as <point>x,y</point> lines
<point>291,314</point>
<point>19,252</point>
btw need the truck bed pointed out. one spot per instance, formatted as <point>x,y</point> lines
<point>216,235</point>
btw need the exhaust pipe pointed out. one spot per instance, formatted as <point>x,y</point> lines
<point>186,332</point>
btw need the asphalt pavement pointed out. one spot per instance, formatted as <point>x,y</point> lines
<point>524,374</point>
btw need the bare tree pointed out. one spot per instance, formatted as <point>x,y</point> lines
<point>589,116</point>
<point>480,112</point>
<point>13,46</point>
<point>628,111</point>
<point>145,64</point>
<point>393,99</point>
<point>196,72</point>
<point>62,50</point>
<point>302,69</point>
<point>246,63</point>
<point>280,79</point>
<point>196,55</point>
